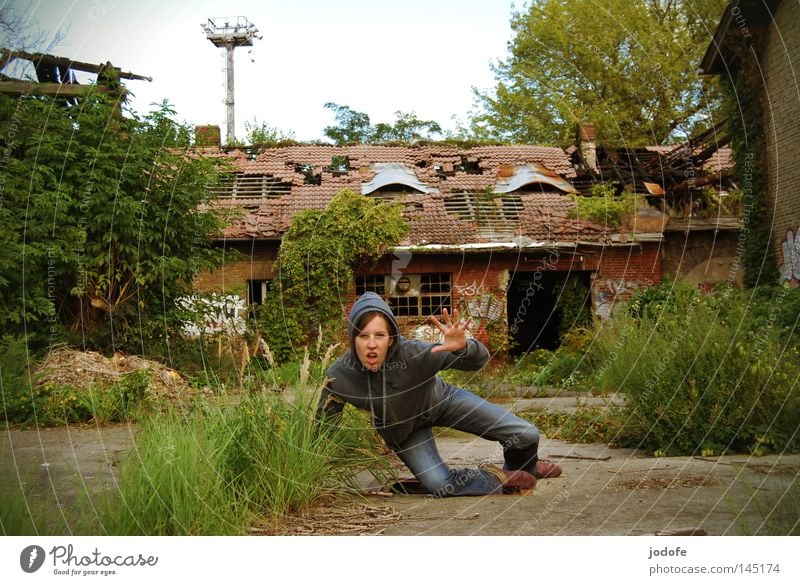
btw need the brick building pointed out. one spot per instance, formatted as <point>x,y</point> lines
<point>490,231</point>
<point>769,32</point>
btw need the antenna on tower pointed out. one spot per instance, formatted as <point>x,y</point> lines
<point>230,32</point>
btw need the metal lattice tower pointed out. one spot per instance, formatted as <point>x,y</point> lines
<point>230,32</point>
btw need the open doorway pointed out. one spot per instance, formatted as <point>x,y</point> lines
<point>532,317</point>
<point>535,307</point>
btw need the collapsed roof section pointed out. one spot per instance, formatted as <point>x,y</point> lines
<point>704,160</point>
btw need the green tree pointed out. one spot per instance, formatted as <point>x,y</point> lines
<point>355,127</point>
<point>352,127</point>
<point>262,134</point>
<point>627,65</point>
<point>103,220</point>
<point>406,128</point>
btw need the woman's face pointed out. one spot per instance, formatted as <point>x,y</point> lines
<point>373,343</point>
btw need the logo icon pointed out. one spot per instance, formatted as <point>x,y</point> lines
<point>31,558</point>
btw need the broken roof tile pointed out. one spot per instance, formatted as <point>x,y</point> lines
<point>543,215</point>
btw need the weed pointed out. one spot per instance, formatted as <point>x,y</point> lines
<point>587,424</point>
<point>698,378</point>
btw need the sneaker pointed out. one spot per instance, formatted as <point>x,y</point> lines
<point>513,482</point>
<point>546,468</point>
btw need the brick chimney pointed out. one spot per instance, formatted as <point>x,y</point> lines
<point>207,136</point>
<point>587,145</point>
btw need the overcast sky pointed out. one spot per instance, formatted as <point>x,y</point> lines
<point>375,56</point>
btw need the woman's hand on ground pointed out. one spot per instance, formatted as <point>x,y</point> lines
<point>454,331</point>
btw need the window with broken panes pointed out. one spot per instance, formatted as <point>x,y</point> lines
<point>434,293</point>
<point>257,291</point>
<point>430,294</point>
<point>370,283</point>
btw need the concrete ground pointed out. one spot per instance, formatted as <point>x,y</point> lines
<point>603,491</point>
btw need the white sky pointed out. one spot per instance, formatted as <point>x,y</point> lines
<point>375,56</point>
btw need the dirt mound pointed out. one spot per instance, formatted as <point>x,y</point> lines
<point>79,369</point>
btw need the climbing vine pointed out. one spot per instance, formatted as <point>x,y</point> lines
<point>572,302</point>
<point>314,271</point>
<point>744,108</point>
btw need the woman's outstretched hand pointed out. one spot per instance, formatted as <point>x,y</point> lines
<point>454,331</point>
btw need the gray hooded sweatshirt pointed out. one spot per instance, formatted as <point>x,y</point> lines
<point>405,393</point>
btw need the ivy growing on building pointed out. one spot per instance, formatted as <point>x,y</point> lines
<point>314,271</point>
<point>745,107</point>
<point>572,302</point>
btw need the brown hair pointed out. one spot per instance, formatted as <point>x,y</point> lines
<point>368,316</point>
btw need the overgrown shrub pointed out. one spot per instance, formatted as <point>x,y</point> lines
<point>668,298</point>
<point>57,404</point>
<point>604,206</point>
<point>105,272</point>
<point>698,379</point>
<point>15,383</point>
<point>567,368</point>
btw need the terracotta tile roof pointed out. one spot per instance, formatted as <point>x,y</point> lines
<point>721,160</point>
<point>439,167</point>
<point>236,157</point>
<point>545,217</point>
<point>431,224</point>
<point>551,157</point>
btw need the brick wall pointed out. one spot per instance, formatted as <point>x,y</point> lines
<point>618,271</point>
<point>253,262</point>
<point>623,271</point>
<point>477,278</point>
<point>781,64</point>
<point>700,256</point>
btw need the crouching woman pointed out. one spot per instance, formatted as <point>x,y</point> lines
<point>395,379</point>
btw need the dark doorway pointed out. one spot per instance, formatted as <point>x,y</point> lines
<point>540,302</point>
<point>532,316</point>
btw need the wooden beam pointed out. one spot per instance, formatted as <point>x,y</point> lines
<point>6,56</point>
<point>17,88</point>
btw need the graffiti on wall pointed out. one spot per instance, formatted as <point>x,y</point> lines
<point>790,248</point>
<point>483,307</point>
<point>480,304</point>
<point>609,292</point>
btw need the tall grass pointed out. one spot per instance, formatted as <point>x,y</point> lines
<point>23,513</point>
<point>170,483</point>
<point>221,468</point>
<point>700,377</point>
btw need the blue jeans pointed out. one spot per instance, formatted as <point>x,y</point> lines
<point>463,411</point>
